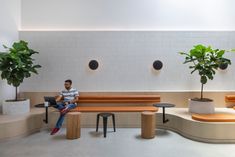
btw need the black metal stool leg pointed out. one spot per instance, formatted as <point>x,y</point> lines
<point>97,122</point>
<point>105,120</point>
<point>114,126</point>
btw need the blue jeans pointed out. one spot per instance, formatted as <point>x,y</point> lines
<point>61,106</point>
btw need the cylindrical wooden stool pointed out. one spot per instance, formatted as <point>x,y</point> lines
<point>148,123</point>
<point>73,130</point>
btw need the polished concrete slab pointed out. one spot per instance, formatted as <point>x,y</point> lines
<point>125,142</point>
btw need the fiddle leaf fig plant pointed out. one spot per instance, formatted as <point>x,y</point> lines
<point>16,64</point>
<point>205,61</point>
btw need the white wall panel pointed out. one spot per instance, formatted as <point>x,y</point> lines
<point>10,23</point>
<point>125,59</point>
<point>129,14</point>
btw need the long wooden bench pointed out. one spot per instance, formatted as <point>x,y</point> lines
<point>217,117</point>
<point>73,120</point>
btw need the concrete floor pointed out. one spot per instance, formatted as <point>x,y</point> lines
<point>124,143</point>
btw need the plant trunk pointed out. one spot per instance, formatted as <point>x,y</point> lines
<point>202,91</point>
<point>16,96</point>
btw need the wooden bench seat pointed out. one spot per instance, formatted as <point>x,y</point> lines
<point>217,117</point>
<point>115,109</point>
<point>119,98</point>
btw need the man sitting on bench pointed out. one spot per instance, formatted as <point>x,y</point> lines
<point>66,100</point>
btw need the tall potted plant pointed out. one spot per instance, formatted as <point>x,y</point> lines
<point>16,64</point>
<point>205,61</point>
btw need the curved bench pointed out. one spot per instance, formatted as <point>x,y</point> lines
<point>21,125</point>
<point>211,132</point>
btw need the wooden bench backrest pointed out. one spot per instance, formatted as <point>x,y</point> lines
<point>230,98</point>
<point>119,98</point>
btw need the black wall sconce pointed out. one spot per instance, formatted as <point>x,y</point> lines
<point>157,65</point>
<point>223,66</point>
<point>93,64</point>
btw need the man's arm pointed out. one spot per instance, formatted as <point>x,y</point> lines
<point>75,100</point>
<point>59,98</point>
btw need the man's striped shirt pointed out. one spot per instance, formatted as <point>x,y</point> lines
<point>69,95</point>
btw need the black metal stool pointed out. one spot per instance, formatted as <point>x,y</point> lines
<point>105,121</point>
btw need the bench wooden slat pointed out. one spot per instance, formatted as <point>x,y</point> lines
<point>217,117</point>
<point>119,98</point>
<point>118,101</point>
<point>230,98</point>
<point>115,109</point>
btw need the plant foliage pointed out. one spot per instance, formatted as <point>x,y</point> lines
<point>205,61</point>
<point>17,63</point>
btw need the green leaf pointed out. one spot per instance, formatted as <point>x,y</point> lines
<point>183,53</point>
<point>37,66</point>
<point>195,53</point>
<point>5,46</point>
<point>220,53</point>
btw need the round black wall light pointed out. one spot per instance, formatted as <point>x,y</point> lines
<point>157,65</point>
<point>93,64</point>
<point>223,66</point>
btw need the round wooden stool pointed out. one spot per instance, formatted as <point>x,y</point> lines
<point>73,130</point>
<point>148,123</point>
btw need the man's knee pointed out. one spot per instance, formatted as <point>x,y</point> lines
<point>72,106</point>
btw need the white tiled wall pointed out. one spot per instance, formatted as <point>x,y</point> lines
<point>10,22</point>
<point>125,60</point>
<point>128,14</point>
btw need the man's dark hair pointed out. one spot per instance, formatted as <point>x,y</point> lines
<point>69,81</point>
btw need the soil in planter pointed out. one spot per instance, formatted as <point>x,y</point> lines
<point>202,100</point>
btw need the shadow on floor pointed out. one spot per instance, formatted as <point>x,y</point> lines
<point>162,132</point>
<point>99,133</point>
<point>59,137</point>
<point>158,132</point>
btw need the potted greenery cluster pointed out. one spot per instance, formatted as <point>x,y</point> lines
<point>206,62</point>
<point>16,64</point>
